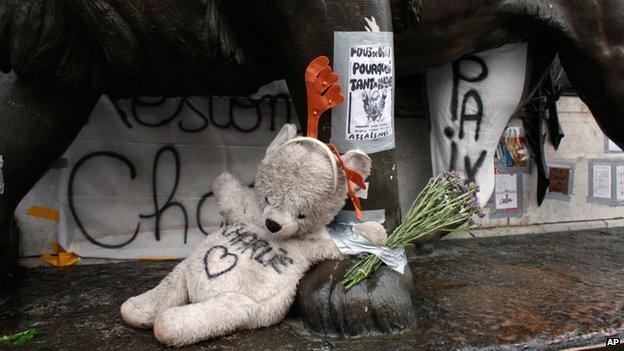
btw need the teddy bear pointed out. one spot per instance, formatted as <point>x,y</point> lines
<point>245,275</point>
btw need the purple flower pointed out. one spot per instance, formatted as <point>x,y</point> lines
<point>450,175</point>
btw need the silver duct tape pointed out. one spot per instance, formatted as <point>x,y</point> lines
<point>350,242</point>
<point>365,63</point>
<point>348,217</point>
<point>1,175</point>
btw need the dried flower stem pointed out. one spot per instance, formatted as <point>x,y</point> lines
<point>445,204</point>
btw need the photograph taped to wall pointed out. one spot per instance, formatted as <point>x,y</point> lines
<point>559,180</point>
<point>506,201</point>
<point>506,192</point>
<point>602,181</point>
<point>619,186</point>
<point>606,181</point>
<point>513,154</point>
<point>561,177</point>
<point>370,92</point>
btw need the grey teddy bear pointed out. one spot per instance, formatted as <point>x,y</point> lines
<point>245,275</point>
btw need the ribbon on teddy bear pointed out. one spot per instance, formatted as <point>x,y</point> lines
<point>323,93</point>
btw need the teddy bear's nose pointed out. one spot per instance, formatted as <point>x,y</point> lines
<point>273,226</point>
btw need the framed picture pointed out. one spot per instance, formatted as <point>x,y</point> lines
<point>619,184</point>
<point>561,176</point>
<point>606,182</point>
<point>506,201</point>
<point>512,153</point>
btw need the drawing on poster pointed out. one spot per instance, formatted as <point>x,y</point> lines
<point>370,92</point>
<point>602,181</point>
<point>512,149</point>
<point>620,183</point>
<point>559,180</point>
<point>506,192</point>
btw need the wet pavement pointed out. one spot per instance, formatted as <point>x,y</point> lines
<point>537,292</point>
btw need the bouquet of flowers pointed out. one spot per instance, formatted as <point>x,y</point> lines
<point>445,204</point>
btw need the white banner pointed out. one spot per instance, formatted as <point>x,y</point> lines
<point>138,179</point>
<point>471,101</point>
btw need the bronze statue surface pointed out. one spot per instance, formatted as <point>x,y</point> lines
<point>59,56</point>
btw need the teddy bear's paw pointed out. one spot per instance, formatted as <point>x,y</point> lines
<point>224,181</point>
<point>137,314</point>
<point>169,328</point>
<point>373,231</point>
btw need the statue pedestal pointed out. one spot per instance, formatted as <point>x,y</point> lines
<point>381,304</point>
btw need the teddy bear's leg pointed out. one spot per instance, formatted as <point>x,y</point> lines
<point>217,316</point>
<point>237,202</point>
<point>141,310</point>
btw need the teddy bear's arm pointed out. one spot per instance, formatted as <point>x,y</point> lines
<point>373,231</point>
<point>237,203</point>
<point>323,246</point>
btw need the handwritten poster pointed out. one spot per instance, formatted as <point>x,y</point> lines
<point>370,92</point>
<point>506,192</point>
<point>602,181</point>
<point>559,180</point>
<point>619,192</point>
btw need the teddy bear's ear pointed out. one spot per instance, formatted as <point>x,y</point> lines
<point>288,131</point>
<point>358,161</point>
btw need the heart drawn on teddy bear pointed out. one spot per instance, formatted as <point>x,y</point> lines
<point>219,260</point>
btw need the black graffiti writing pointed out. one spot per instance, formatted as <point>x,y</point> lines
<point>280,259</point>
<point>371,68</point>
<point>220,257</point>
<point>459,76</point>
<point>159,209</point>
<point>260,251</point>
<point>371,51</point>
<point>206,119</point>
<point>478,116</point>
<point>70,196</point>
<point>454,151</point>
<point>471,170</point>
<point>369,135</point>
<point>473,96</point>
<point>370,83</point>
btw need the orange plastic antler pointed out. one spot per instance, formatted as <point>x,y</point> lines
<point>324,91</point>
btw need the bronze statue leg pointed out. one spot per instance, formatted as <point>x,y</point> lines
<point>37,124</point>
<point>300,31</point>
<point>592,57</point>
<point>599,82</point>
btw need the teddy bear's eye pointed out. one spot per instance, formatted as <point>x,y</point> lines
<point>301,216</point>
